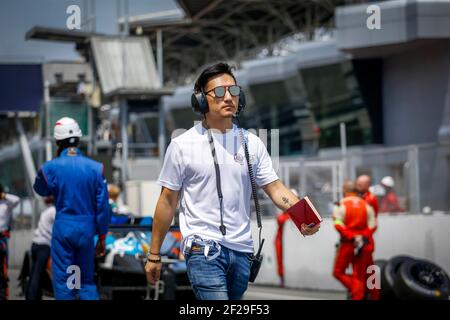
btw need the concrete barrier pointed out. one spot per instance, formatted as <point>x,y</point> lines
<point>308,261</point>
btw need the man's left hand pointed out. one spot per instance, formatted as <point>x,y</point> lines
<point>308,231</point>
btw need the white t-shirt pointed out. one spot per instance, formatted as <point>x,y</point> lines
<point>189,167</point>
<point>43,233</point>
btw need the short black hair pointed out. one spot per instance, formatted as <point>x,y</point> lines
<point>1,188</point>
<point>67,143</point>
<point>211,71</point>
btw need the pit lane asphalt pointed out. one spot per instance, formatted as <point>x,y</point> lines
<point>254,292</point>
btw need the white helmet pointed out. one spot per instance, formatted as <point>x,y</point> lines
<point>66,128</point>
<point>388,182</point>
<point>377,190</point>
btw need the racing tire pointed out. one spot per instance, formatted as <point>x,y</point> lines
<point>421,280</point>
<point>389,273</point>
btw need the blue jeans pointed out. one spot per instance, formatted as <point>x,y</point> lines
<point>224,277</point>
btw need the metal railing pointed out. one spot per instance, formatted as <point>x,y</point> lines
<point>421,174</point>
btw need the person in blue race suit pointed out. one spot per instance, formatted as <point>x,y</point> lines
<point>82,211</point>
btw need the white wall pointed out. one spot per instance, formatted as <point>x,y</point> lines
<point>142,196</point>
<point>268,272</point>
<point>19,242</point>
<point>309,261</point>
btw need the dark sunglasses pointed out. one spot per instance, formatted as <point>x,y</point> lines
<point>220,91</point>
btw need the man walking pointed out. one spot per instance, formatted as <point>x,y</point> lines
<point>206,170</point>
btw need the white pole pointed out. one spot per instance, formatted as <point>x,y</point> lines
<point>162,131</point>
<point>343,139</point>
<point>159,54</point>
<point>343,135</point>
<point>123,103</point>
<point>124,133</point>
<point>30,169</point>
<point>48,139</point>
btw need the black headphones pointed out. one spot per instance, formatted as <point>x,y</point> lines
<point>199,103</point>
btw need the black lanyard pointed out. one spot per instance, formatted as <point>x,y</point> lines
<point>218,184</point>
<point>252,182</point>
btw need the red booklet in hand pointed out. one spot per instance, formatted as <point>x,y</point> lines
<point>304,212</point>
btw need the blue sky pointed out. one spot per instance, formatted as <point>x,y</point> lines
<point>19,16</point>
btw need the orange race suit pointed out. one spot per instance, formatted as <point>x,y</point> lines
<point>353,217</point>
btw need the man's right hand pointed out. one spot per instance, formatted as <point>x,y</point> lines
<point>152,269</point>
<point>307,230</point>
<point>358,240</point>
<point>100,247</point>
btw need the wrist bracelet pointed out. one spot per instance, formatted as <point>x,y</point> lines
<point>154,260</point>
<point>155,254</point>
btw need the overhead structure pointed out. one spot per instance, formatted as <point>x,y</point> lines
<point>125,64</point>
<point>203,31</point>
<point>125,69</point>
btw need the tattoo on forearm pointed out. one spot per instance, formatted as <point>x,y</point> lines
<point>286,201</point>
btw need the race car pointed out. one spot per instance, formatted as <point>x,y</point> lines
<point>120,273</point>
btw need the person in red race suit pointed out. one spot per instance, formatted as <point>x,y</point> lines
<point>355,221</point>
